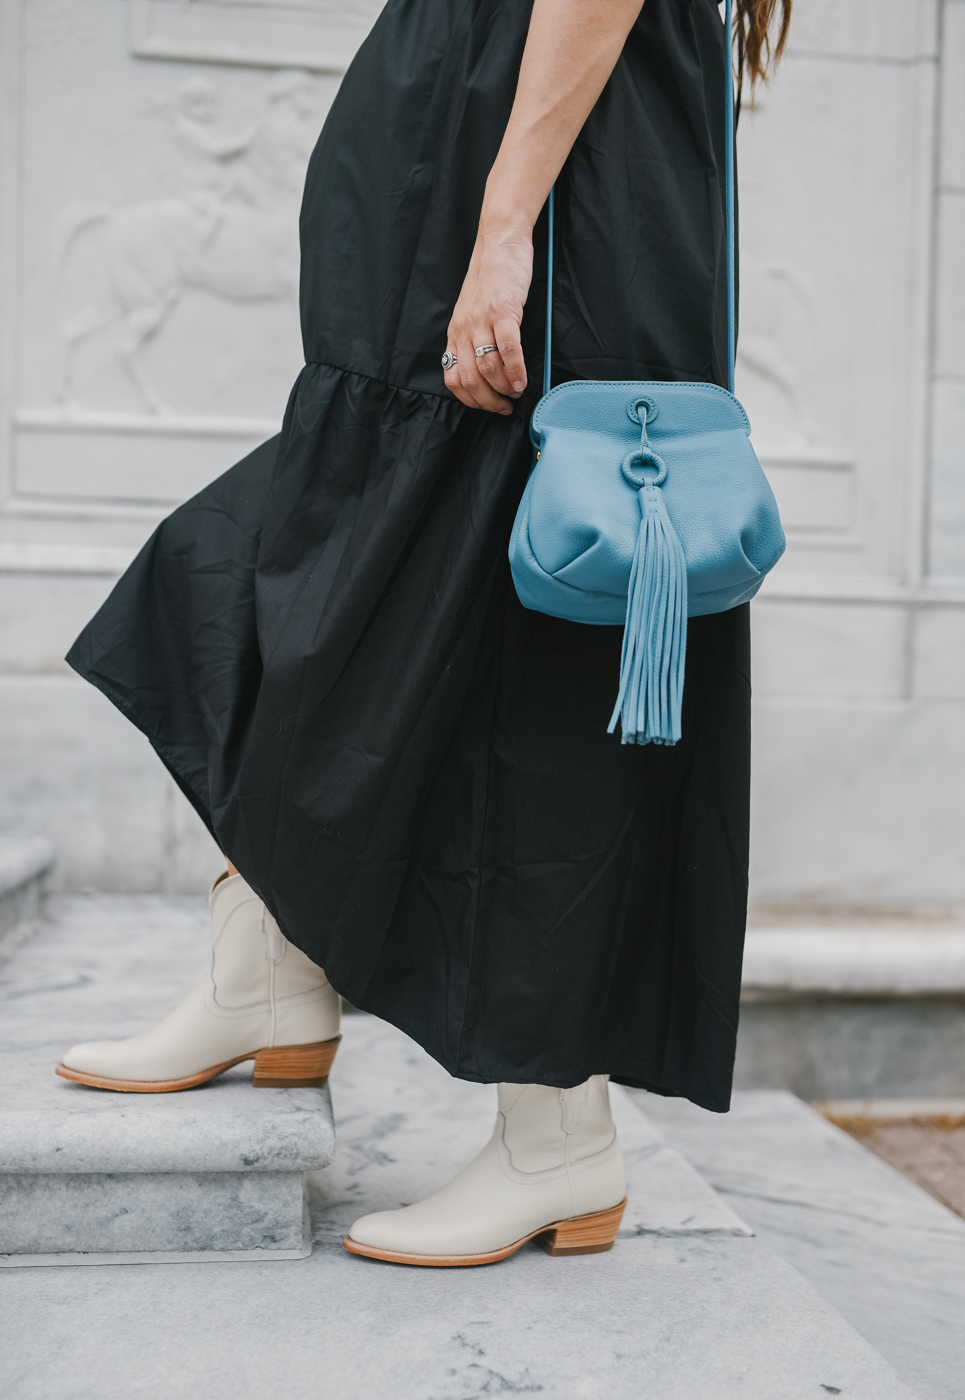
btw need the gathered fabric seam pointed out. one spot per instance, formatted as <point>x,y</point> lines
<point>374,379</point>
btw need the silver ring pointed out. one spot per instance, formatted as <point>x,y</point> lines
<point>485,350</point>
<point>448,360</point>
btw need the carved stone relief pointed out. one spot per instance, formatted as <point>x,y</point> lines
<point>167,313</point>
<point>230,231</point>
<point>159,263</point>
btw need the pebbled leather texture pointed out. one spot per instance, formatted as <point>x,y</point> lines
<point>577,525</point>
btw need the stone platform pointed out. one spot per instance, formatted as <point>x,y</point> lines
<point>688,1304</point>
<point>90,1176</point>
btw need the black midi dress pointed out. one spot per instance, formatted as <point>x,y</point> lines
<point>325,648</point>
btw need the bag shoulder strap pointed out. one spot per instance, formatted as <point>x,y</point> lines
<point>728,215</point>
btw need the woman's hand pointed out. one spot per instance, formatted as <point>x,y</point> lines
<point>489,312</point>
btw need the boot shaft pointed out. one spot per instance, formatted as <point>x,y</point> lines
<point>544,1127</point>
<point>251,960</point>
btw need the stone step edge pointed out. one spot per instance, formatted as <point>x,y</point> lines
<point>846,961</point>
<point>164,1138</point>
<point>153,1217</point>
<point>666,1195</point>
<point>160,1256</point>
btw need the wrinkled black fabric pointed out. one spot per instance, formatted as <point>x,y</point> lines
<point>324,645</point>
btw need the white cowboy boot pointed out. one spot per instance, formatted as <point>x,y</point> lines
<point>551,1170</point>
<point>263,999</point>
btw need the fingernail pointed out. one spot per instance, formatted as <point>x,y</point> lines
<point>518,385</point>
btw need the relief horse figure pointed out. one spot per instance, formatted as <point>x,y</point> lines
<point>230,232</point>
<point>144,252</point>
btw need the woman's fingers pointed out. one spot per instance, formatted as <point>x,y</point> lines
<point>506,336</point>
<point>454,385</point>
<point>481,381</point>
<point>453,376</point>
<point>477,391</point>
<point>490,366</point>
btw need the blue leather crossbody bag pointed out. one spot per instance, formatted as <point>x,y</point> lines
<point>646,504</point>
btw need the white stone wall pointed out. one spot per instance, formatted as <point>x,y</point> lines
<point>852,367</point>
<point>151,154</point>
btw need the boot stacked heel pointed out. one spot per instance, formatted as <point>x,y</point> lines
<point>294,1066</point>
<point>584,1234</point>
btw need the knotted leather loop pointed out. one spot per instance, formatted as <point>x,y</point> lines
<point>644,454</point>
<point>647,458</point>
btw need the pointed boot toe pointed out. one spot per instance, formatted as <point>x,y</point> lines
<point>96,1057</point>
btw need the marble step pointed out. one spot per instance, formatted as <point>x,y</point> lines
<point>24,862</point>
<point>92,1177</point>
<point>887,1255</point>
<point>688,1303</point>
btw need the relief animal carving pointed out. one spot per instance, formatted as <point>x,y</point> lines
<point>230,230</point>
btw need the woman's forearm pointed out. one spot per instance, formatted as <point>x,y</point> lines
<point>570,52</point>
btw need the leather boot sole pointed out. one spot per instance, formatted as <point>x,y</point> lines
<point>581,1234</point>
<point>277,1067</point>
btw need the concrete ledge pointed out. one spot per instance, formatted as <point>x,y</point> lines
<point>920,960</point>
<point>854,1008</point>
<point>860,1047</point>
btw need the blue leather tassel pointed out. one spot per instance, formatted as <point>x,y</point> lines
<point>655,636</point>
